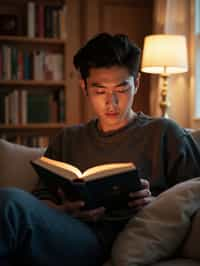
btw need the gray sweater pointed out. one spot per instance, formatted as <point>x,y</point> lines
<point>163,152</point>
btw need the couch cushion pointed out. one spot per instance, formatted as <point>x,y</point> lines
<point>177,262</point>
<point>190,247</point>
<point>158,230</point>
<point>15,168</point>
<point>173,262</point>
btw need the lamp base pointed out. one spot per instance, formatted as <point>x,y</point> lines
<point>164,102</point>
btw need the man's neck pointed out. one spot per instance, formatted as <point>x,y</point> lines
<point>106,129</point>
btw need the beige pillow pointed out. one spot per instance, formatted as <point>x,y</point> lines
<point>172,262</point>
<point>191,247</point>
<point>15,168</point>
<point>178,262</point>
<point>157,231</point>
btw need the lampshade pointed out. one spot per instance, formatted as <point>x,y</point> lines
<point>164,54</point>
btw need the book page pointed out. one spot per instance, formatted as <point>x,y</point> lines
<point>64,169</point>
<point>100,171</point>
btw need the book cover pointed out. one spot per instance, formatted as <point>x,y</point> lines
<point>106,185</point>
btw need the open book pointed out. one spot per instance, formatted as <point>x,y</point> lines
<point>105,185</point>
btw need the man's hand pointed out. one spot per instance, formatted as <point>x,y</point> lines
<point>74,208</point>
<point>142,197</point>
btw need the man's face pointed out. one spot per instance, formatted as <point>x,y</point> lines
<point>111,92</point>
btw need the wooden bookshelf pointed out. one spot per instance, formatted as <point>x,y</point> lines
<point>56,67</point>
<point>28,40</point>
<point>32,83</point>
<point>31,129</point>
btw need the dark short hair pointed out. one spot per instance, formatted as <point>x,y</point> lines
<point>106,50</point>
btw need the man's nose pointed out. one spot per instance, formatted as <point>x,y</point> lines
<point>111,98</point>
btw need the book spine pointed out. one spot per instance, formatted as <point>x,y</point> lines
<point>4,62</point>
<point>57,67</point>
<point>20,72</point>
<point>14,64</point>
<point>41,20</point>
<point>38,107</point>
<point>1,63</point>
<point>14,107</point>
<point>61,104</point>
<point>2,108</point>
<point>53,107</point>
<point>24,106</point>
<point>7,62</point>
<point>26,69</point>
<point>47,67</point>
<point>7,109</point>
<point>31,19</point>
<point>39,65</point>
<point>48,22</point>
<point>63,22</point>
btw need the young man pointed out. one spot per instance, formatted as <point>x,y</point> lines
<point>55,231</point>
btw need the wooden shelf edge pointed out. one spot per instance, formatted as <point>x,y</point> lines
<point>25,39</point>
<point>44,83</point>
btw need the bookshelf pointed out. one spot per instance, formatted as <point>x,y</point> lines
<point>35,68</point>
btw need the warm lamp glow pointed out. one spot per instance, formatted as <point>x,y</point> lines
<point>164,53</point>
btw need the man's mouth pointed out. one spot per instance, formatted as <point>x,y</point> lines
<point>111,114</point>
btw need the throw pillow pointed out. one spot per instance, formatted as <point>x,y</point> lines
<point>15,168</point>
<point>190,247</point>
<point>158,230</point>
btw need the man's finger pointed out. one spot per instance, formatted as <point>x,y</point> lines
<point>140,202</point>
<point>140,194</point>
<point>91,215</point>
<point>72,206</point>
<point>145,183</point>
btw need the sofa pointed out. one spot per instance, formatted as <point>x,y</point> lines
<point>165,233</point>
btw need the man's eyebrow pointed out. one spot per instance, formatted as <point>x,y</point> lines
<point>98,85</point>
<point>124,82</point>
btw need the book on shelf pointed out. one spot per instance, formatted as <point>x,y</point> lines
<point>30,106</point>
<point>40,25</point>
<point>38,110</point>
<point>63,22</point>
<point>46,20</point>
<point>18,64</point>
<point>105,185</point>
<point>31,14</point>
<point>2,107</point>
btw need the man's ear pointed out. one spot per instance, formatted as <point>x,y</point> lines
<point>83,86</point>
<point>137,82</point>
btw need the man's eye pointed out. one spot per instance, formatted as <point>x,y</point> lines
<point>122,89</point>
<point>100,91</point>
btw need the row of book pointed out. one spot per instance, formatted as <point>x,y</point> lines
<point>17,64</point>
<point>29,106</point>
<point>31,141</point>
<point>46,20</point>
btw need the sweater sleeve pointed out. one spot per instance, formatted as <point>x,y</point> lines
<point>182,155</point>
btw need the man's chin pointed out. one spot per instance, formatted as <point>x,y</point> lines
<point>111,124</point>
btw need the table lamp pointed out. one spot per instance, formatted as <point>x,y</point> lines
<point>164,54</point>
